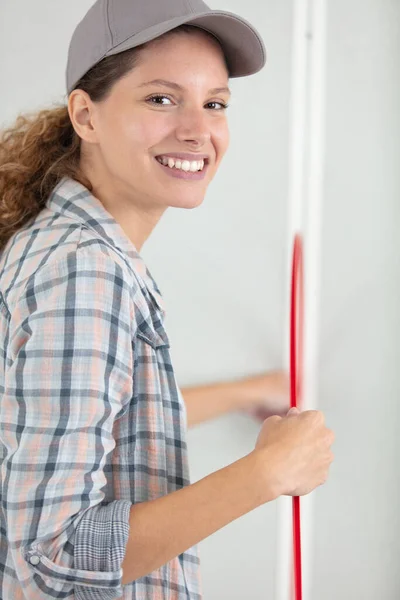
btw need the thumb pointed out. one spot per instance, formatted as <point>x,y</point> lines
<point>293,412</point>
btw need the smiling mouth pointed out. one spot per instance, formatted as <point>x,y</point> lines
<point>186,166</point>
<point>197,171</point>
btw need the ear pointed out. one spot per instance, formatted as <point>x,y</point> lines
<point>81,112</point>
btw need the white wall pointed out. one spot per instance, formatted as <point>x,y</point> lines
<point>222,270</point>
<point>357,542</point>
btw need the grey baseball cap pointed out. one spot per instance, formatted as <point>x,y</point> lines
<point>113,26</point>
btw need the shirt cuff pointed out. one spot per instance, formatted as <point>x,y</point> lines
<point>100,544</point>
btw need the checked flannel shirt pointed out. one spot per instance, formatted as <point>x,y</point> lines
<point>91,417</point>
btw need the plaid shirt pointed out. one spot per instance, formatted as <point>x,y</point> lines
<point>92,419</point>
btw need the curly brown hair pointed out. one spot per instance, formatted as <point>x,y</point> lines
<point>41,148</point>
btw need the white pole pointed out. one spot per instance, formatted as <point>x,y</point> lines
<point>307,161</point>
<point>312,251</point>
<point>297,143</point>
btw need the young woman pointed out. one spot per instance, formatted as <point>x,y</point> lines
<point>96,495</point>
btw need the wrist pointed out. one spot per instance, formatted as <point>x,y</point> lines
<point>262,470</point>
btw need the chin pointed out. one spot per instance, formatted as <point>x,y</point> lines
<point>186,201</point>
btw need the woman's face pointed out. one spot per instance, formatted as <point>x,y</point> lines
<point>169,107</point>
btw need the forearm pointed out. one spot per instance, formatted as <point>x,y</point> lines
<point>164,528</point>
<point>207,402</point>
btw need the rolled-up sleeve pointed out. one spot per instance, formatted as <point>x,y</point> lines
<point>68,377</point>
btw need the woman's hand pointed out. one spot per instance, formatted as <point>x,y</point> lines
<point>259,396</point>
<point>266,394</point>
<point>296,450</point>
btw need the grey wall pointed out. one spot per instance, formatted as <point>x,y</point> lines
<point>222,270</point>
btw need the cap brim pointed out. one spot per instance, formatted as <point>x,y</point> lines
<point>242,44</point>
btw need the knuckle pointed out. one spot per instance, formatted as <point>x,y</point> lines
<point>274,419</point>
<point>317,416</point>
<point>310,415</point>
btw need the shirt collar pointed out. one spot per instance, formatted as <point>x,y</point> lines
<point>74,200</point>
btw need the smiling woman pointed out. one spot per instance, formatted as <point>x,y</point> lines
<point>144,117</point>
<point>97,498</point>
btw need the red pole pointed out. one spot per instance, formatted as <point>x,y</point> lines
<point>296,343</point>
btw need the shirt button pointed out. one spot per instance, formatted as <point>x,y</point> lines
<point>34,560</point>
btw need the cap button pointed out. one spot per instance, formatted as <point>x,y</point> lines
<point>34,560</point>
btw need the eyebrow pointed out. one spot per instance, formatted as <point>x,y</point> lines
<point>179,88</point>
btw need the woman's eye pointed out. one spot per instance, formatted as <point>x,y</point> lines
<point>220,104</point>
<point>157,100</point>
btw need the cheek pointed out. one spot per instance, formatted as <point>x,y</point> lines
<point>144,134</point>
<point>221,137</point>
<point>114,140</point>
<point>128,135</point>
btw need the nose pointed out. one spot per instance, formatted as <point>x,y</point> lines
<point>193,127</point>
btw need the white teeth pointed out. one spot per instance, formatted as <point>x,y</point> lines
<point>184,165</point>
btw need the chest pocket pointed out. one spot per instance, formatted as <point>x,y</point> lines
<point>156,339</point>
<point>149,318</point>
<point>151,330</point>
